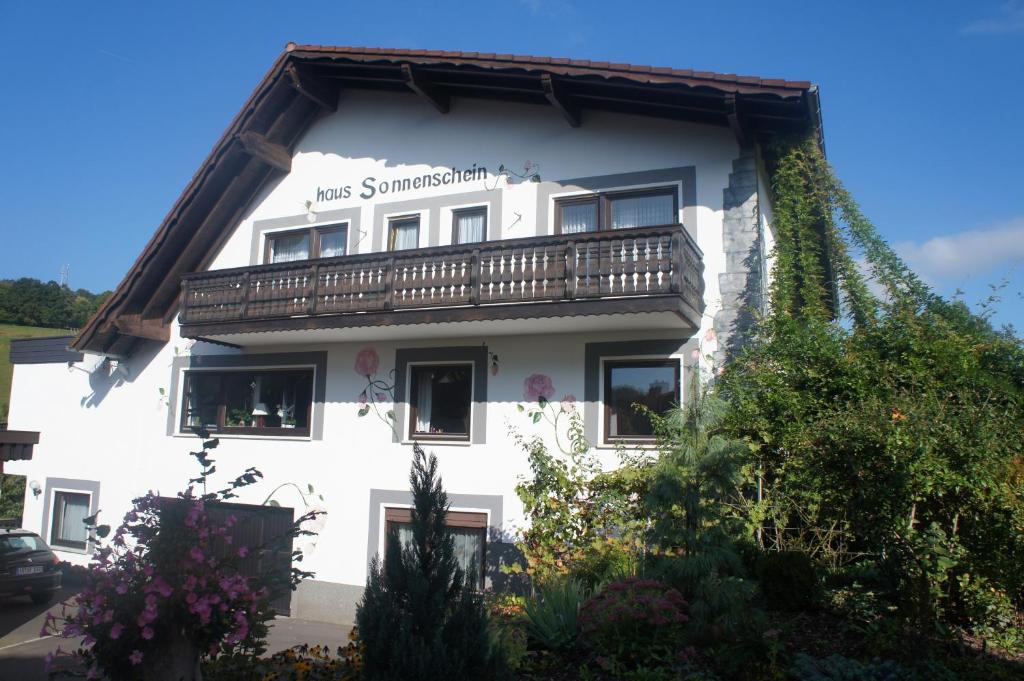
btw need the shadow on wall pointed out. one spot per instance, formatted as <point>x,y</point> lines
<point>108,374</point>
<point>501,555</point>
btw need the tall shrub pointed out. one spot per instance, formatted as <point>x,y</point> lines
<point>418,619</point>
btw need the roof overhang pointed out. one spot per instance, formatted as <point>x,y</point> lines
<point>304,83</point>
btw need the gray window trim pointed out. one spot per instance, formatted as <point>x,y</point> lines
<point>318,360</point>
<point>325,218</point>
<point>90,487</point>
<point>492,503</point>
<point>593,377</point>
<point>431,207</point>
<point>477,354</point>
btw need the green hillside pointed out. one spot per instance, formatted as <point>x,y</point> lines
<point>7,332</point>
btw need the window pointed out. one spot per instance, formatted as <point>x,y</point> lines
<point>654,384</point>
<point>404,233</point>
<point>304,244</point>
<point>616,210</point>
<point>70,509</point>
<point>271,402</point>
<point>469,225</point>
<point>469,531</point>
<point>441,396</point>
<point>21,543</point>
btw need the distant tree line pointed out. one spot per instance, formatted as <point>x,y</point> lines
<point>30,302</point>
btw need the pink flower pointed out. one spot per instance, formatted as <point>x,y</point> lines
<point>568,403</point>
<point>115,631</point>
<point>537,386</point>
<point>196,553</point>
<point>367,362</point>
<point>147,633</point>
<point>242,552</point>
<point>380,397</point>
<point>136,657</point>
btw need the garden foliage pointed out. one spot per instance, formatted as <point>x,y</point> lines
<point>167,589</point>
<point>418,618</point>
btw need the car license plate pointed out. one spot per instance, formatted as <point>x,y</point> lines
<point>29,570</point>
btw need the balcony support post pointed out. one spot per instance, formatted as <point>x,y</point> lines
<point>570,270</point>
<point>389,284</point>
<point>677,262</point>
<point>314,289</point>
<point>243,304</point>
<point>474,277</point>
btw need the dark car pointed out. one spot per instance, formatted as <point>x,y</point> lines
<point>27,566</point>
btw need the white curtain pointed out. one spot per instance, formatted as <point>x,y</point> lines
<point>469,549</point>
<point>406,234</point>
<point>642,211</point>
<point>74,509</point>
<point>289,248</point>
<point>424,401</point>
<point>332,244</point>
<point>579,217</point>
<point>470,227</point>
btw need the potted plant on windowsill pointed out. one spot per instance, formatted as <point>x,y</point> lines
<point>238,418</point>
<point>287,417</point>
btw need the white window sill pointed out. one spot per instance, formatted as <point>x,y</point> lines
<point>238,436</point>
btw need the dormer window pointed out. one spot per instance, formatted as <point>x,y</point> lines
<point>617,210</point>
<point>328,241</point>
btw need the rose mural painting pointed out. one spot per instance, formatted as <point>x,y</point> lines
<point>339,282</point>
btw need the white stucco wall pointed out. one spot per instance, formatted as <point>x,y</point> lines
<point>113,429</point>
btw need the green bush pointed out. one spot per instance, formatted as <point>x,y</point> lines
<point>788,580</point>
<point>553,614</point>
<point>418,619</point>
<point>635,623</point>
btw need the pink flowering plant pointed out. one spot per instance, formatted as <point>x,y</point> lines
<point>171,586</point>
<point>636,622</point>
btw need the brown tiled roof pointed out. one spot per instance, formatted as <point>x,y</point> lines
<point>279,111</point>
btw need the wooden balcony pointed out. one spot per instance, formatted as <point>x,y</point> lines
<point>634,271</point>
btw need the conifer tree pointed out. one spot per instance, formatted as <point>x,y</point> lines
<point>418,618</point>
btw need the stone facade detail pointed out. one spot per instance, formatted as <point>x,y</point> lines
<point>741,283</point>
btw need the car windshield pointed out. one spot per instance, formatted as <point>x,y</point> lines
<point>21,542</point>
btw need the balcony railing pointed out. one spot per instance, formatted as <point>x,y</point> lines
<point>624,265</point>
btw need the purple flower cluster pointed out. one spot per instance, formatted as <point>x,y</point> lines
<point>634,618</point>
<point>166,573</point>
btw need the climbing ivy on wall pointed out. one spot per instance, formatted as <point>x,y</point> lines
<point>886,419</point>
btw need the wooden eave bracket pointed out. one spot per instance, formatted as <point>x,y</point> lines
<point>416,82</point>
<point>557,98</point>
<point>271,153</point>
<point>137,327</point>
<point>736,124</point>
<point>315,89</point>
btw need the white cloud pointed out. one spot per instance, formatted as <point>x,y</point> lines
<point>972,252</point>
<point>1009,19</point>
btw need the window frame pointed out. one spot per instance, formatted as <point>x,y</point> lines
<point>55,526</point>
<point>464,520</point>
<point>224,430</point>
<point>461,212</point>
<point>413,395</point>
<point>604,199</point>
<point>606,406</point>
<point>392,232</point>
<point>314,232</point>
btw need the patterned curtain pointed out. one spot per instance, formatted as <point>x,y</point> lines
<point>289,248</point>
<point>579,217</point>
<point>642,211</point>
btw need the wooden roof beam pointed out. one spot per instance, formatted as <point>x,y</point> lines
<point>556,96</point>
<point>739,129</point>
<point>150,329</point>
<point>416,82</point>
<point>271,153</point>
<point>313,88</point>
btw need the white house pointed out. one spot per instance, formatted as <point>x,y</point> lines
<point>389,246</point>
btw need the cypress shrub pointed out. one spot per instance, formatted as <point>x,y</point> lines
<point>418,619</point>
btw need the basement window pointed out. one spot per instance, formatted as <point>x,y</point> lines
<point>629,384</point>
<point>68,530</point>
<point>441,401</point>
<point>468,530</point>
<point>246,402</point>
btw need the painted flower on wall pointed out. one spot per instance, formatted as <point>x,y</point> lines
<point>537,386</point>
<point>367,362</point>
<point>568,403</point>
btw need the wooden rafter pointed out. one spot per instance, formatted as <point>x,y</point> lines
<point>315,89</point>
<point>417,83</point>
<point>556,96</point>
<point>732,114</point>
<point>271,153</point>
<point>150,329</point>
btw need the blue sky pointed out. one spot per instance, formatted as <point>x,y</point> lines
<point>109,108</point>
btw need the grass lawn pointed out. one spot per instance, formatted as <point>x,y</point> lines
<point>7,332</point>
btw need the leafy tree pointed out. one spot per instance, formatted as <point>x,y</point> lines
<point>30,302</point>
<point>418,619</point>
<point>894,420</point>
